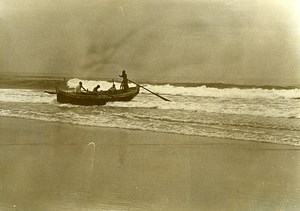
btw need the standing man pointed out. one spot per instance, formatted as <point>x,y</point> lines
<point>124,83</point>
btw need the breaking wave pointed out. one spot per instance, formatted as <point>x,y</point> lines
<point>201,91</point>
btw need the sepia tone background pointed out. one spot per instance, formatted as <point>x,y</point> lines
<point>47,163</point>
<point>245,42</point>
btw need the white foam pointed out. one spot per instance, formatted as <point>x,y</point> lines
<point>90,84</point>
<point>200,91</point>
<point>25,95</point>
<point>204,91</point>
<point>159,123</point>
<point>268,107</point>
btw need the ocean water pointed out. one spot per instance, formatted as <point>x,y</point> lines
<point>261,114</point>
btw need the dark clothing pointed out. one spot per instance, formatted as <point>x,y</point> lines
<point>124,75</point>
<point>124,83</point>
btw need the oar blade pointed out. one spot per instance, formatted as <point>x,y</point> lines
<point>165,99</point>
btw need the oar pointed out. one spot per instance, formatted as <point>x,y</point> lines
<point>165,99</point>
<point>50,92</point>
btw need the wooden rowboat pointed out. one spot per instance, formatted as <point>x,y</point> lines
<point>99,98</point>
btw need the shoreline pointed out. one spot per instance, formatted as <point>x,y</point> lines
<point>193,139</point>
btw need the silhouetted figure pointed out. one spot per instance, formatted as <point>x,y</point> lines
<point>95,90</point>
<point>124,84</point>
<point>78,88</point>
<point>112,89</point>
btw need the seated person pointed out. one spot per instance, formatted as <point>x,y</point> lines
<point>78,88</point>
<point>112,89</point>
<point>95,90</point>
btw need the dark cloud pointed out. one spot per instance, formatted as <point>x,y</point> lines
<point>197,41</point>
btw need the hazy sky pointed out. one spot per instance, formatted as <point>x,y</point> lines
<point>233,41</point>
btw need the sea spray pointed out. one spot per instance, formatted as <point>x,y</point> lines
<point>90,84</point>
<point>201,91</point>
<point>244,113</point>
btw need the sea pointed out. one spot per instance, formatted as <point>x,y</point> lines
<point>126,171</point>
<point>230,111</point>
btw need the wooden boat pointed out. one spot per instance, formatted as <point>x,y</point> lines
<point>99,98</point>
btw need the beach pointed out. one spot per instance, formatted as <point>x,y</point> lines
<point>210,119</point>
<point>60,166</point>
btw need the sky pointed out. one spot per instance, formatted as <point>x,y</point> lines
<point>198,41</point>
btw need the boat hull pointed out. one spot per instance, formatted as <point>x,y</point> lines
<point>100,98</point>
<point>120,95</point>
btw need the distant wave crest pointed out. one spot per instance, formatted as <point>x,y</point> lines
<point>200,91</point>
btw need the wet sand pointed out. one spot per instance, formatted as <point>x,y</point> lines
<point>54,166</point>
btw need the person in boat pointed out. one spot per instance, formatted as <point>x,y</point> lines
<point>78,88</point>
<point>95,90</point>
<point>124,84</point>
<point>112,89</point>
